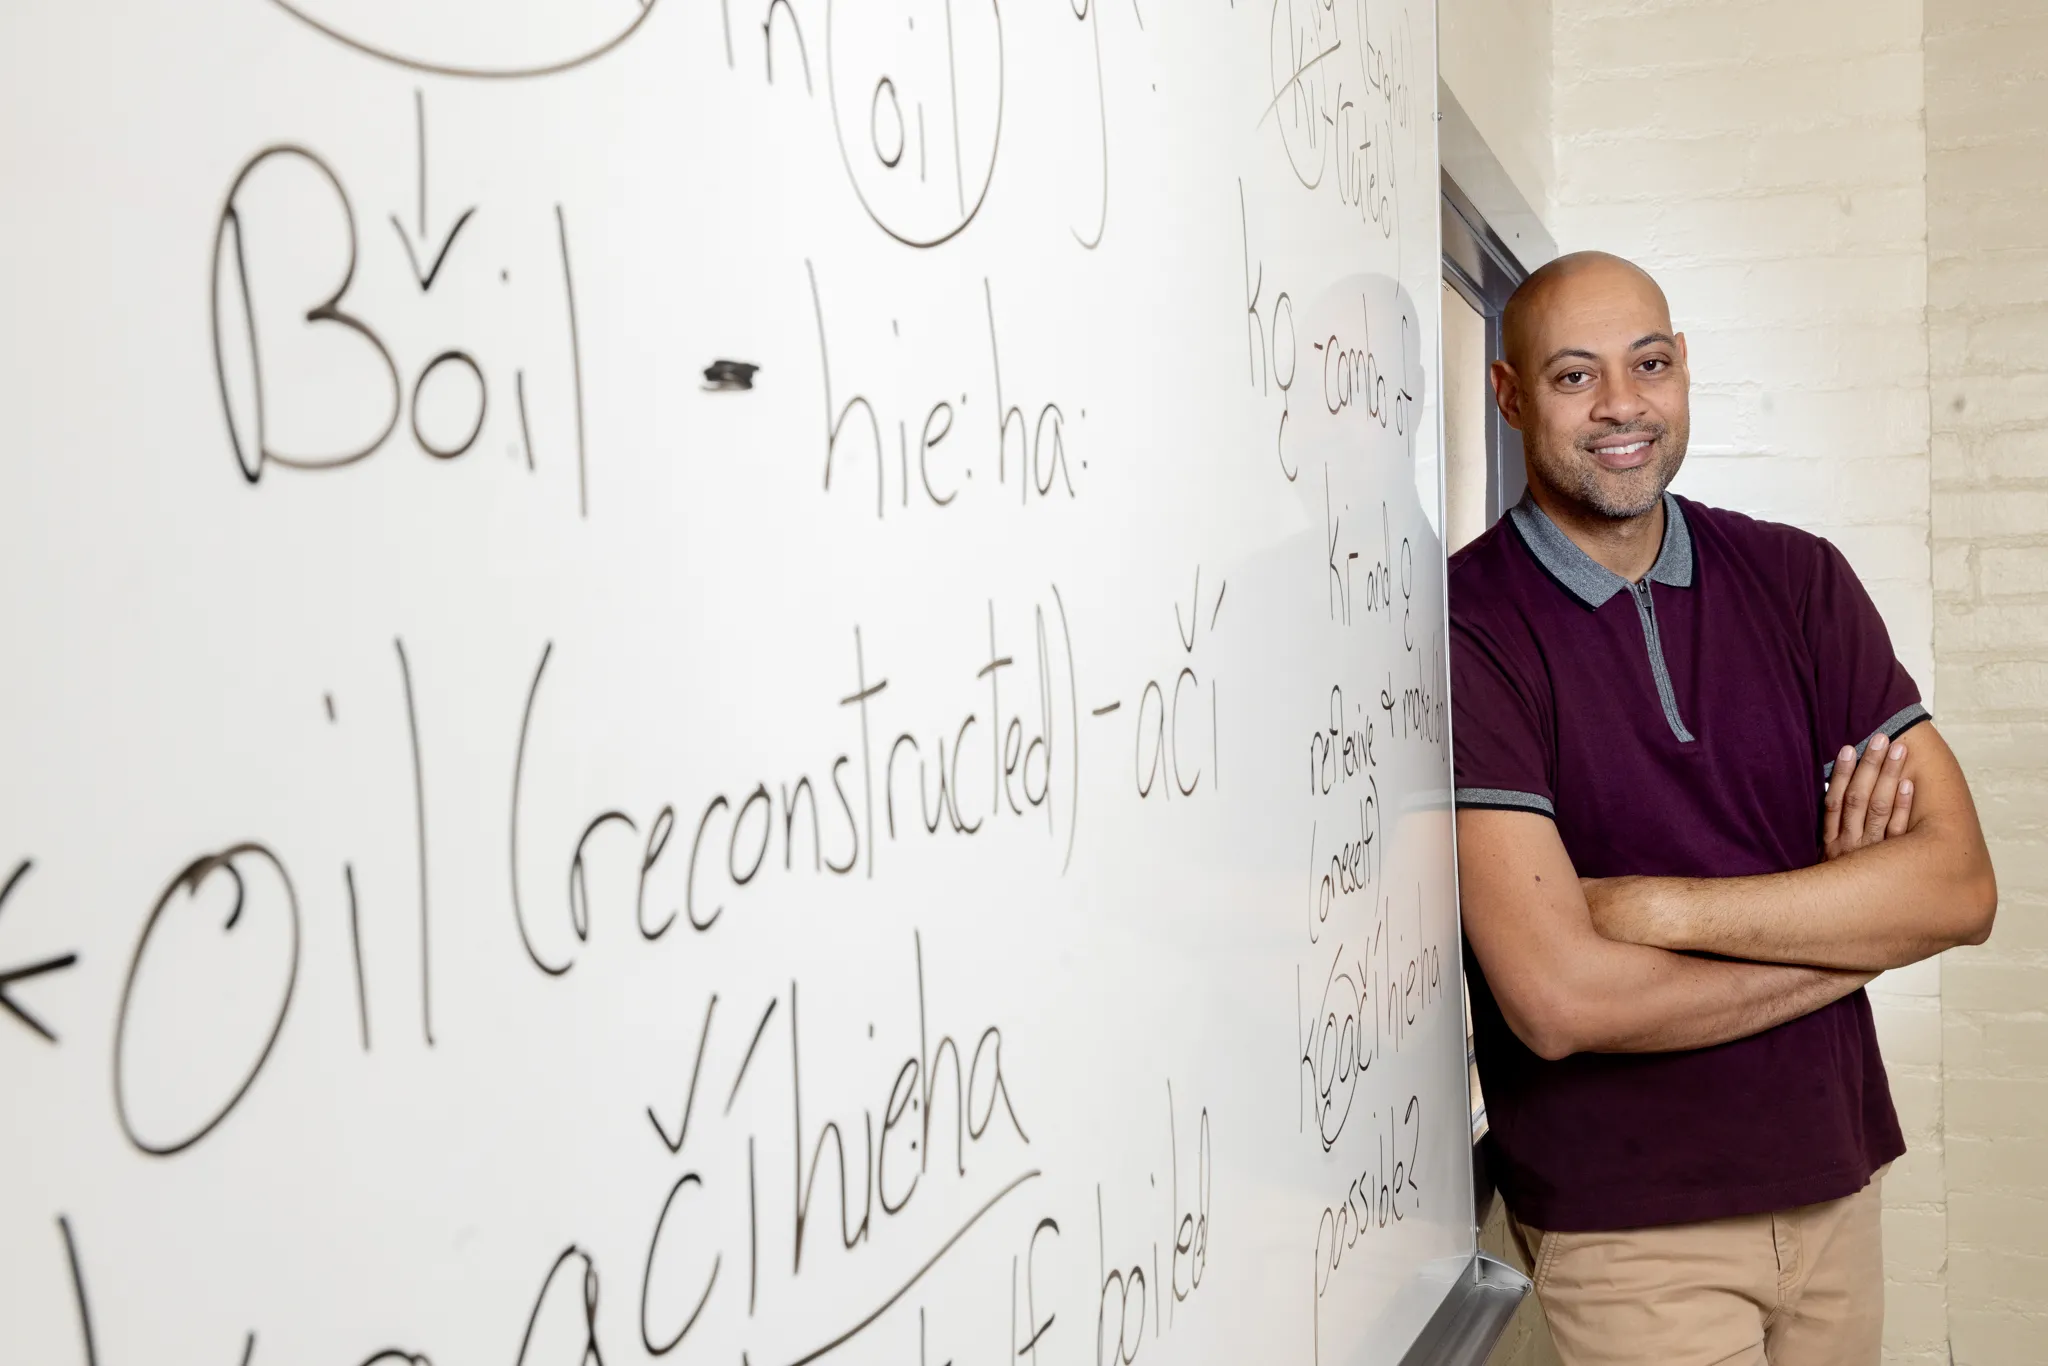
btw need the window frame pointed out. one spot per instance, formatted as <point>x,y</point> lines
<point>1484,272</point>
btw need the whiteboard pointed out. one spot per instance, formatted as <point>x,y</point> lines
<point>527,845</point>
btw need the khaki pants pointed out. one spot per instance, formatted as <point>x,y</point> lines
<point>1804,1287</point>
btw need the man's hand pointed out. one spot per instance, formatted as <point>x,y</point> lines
<point>1924,883</point>
<point>1867,799</point>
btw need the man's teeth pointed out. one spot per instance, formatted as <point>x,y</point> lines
<point>1629,449</point>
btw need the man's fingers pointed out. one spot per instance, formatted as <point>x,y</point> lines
<point>1867,798</point>
<point>1857,801</point>
<point>1884,795</point>
<point>1838,785</point>
<point>1902,813</point>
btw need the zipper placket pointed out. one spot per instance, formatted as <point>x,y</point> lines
<point>1646,610</point>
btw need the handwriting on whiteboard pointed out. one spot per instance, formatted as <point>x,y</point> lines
<point>719,772</point>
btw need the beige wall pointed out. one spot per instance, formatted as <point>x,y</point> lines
<point>1495,57</point>
<point>1987,137</point>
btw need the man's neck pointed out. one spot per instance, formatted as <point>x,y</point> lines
<point>1624,546</point>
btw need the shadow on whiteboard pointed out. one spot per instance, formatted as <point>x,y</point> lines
<point>483,38</point>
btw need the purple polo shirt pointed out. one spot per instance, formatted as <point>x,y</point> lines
<point>1683,726</point>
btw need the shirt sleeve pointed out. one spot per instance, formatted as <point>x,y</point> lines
<point>1861,687</point>
<point>1500,729</point>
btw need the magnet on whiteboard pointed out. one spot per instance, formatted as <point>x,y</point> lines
<point>729,374</point>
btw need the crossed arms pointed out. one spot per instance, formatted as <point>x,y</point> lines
<point>1612,966</point>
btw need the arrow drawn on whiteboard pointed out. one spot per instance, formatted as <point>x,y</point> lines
<point>9,976</point>
<point>426,281</point>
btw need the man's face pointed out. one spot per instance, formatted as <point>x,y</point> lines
<point>1596,382</point>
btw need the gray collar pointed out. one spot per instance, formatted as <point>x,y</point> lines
<point>1591,582</point>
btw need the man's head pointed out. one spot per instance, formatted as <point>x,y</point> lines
<point>1595,380</point>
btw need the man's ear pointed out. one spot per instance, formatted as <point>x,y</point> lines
<point>1683,358</point>
<point>1507,391</point>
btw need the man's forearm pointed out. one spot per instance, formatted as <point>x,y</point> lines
<point>1641,1000</point>
<point>1883,907</point>
<point>1564,988</point>
<point>1920,890</point>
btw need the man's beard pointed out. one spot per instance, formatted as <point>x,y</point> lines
<point>1622,494</point>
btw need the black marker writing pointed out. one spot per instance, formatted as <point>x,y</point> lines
<point>555,47</point>
<point>1384,1192</point>
<point>1270,338</point>
<point>9,976</point>
<point>186,887</point>
<point>937,454</point>
<point>871,86</point>
<point>419,795</point>
<point>675,1145</point>
<point>425,279</point>
<point>237,354</point>
<point>591,1356</point>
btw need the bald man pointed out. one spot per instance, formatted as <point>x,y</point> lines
<point>1700,805</point>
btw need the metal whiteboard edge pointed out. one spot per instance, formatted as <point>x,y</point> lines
<point>1472,1317</point>
<point>1462,154</point>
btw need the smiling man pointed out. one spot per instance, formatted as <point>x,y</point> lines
<point>1689,831</point>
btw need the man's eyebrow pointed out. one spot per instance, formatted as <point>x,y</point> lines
<point>1579,353</point>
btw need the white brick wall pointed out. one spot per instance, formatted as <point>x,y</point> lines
<point>1767,162</point>
<point>1847,204</point>
<point>1987,133</point>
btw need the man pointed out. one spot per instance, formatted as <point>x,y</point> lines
<point>1689,831</point>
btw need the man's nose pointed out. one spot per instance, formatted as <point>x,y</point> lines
<point>1618,399</point>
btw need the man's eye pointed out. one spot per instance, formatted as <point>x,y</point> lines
<point>1573,377</point>
<point>1656,364</point>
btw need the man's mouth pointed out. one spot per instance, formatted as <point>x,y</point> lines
<point>1623,451</point>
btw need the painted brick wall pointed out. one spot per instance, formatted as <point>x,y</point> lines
<point>1846,201</point>
<point>1987,145</point>
<point>1767,162</point>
